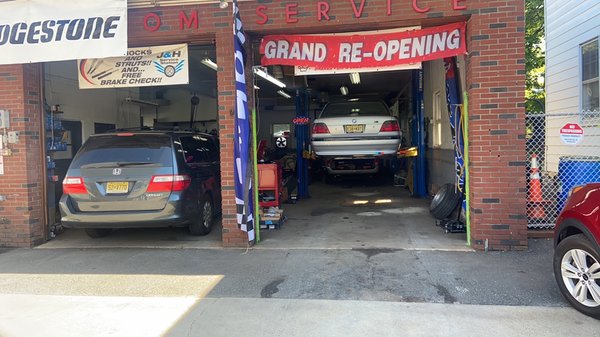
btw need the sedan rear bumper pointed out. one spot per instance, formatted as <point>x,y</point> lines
<point>371,147</point>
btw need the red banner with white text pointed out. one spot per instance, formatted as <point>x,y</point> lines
<point>364,51</point>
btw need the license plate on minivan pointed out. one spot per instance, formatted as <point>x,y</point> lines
<point>117,187</point>
<point>354,128</point>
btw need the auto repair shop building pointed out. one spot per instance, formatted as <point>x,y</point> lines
<point>495,85</point>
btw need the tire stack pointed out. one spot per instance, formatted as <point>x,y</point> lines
<point>445,201</point>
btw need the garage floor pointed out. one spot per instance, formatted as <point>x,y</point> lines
<point>330,219</point>
<point>327,220</point>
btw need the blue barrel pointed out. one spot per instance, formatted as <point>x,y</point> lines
<point>574,171</point>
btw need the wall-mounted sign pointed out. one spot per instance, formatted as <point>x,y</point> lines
<point>364,51</point>
<point>42,31</point>
<point>301,71</point>
<point>324,11</point>
<point>571,133</point>
<point>301,120</point>
<point>142,67</point>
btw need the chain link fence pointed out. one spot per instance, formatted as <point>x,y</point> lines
<point>565,147</point>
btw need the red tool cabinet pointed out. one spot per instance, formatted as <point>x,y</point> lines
<point>269,185</point>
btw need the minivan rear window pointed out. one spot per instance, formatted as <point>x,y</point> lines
<point>135,149</point>
<point>355,109</point>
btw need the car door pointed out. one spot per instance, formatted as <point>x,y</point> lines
<point>202,164</point>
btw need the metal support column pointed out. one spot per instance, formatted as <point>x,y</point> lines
<point>302,140</point>
<point>420,164</point>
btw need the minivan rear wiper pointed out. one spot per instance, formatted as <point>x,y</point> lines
<point>117,164</point>
<point>125,164</point>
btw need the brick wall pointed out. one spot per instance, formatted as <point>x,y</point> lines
<point>495,77</point>
<point>22,221</point>
<point>495,81</point>
<point>496,87</point>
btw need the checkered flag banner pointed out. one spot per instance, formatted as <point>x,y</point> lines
<point>243,173</point>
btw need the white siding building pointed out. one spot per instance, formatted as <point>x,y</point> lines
<point>572,63</point>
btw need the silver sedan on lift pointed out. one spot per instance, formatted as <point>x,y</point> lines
<point>355,127</point>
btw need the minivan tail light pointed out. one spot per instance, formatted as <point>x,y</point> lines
<point>169,183</point>
<point>319,128</point>
<point>74,185</point>
<point>389,126</point>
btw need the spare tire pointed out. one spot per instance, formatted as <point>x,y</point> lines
<point>445,201</point>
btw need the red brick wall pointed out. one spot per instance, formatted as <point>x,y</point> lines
<point>495,80</point>
<point>496,87</point>
<point>495,77</point>
<point>22,222</point>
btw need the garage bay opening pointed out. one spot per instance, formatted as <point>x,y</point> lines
<point>352,158</point>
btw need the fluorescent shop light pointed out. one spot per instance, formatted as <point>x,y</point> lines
<point>263,73</point>
<point>209,63</point>
<point>284,94</point>
<point>355,78</point>
<point>344,90</point>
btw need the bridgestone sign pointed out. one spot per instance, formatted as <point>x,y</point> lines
<point>42,31</point>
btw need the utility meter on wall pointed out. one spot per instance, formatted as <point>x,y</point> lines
<point>4,119</point>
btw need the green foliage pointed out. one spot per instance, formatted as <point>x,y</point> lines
<point>534,54</point>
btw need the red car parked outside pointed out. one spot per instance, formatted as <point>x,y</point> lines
<point>577,249</point>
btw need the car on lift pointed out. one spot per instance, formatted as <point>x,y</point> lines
<point>352,136</point>
<point>143,178</point>
<point>577,249</point>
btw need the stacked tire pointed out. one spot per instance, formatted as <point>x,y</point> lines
<point>445,201</point>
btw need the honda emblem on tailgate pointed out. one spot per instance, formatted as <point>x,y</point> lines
<point>116,172</point>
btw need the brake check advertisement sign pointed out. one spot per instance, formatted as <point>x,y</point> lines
<point>43,31</point>
<point>364,51</point>
<point>142,67</point>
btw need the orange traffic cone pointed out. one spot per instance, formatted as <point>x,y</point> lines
<point>535,207</point>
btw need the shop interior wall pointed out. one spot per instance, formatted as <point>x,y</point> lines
<point>440,158</point>
<point>179,108</point>
<point>110,106</point>
<point>88,106</point>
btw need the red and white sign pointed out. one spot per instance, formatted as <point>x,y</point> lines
<point>364,51</point>
<point>302,71</point>
<point>571,133</point>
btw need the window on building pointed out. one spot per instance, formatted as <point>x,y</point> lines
<point>281,130</point>
<point>590,90</point>
<point>437,119</point>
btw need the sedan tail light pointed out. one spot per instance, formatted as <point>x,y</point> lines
<point>169,183</point>
<point>74,185</point>
<point>389,126</point>
<point>319,128</point>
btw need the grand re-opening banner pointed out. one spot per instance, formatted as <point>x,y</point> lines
<point>43,31</point>
<point>363,51</point>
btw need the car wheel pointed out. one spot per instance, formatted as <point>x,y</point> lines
<point>577,272</point>
<point>97,232</point>
<point>202,225</point>
<point>445,201</point>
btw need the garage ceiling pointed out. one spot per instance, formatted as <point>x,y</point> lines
<point>383,85</point>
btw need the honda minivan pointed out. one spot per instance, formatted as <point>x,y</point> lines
<point>143,178</point>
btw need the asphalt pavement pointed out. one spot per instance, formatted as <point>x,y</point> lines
<point>278,292</point>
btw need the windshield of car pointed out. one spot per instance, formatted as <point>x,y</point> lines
<point>129,150</point>
<point>355,109</point>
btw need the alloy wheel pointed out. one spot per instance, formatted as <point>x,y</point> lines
<point>580,272</point>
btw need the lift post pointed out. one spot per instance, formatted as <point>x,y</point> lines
<point>420,163</point>
<point>302,141</point>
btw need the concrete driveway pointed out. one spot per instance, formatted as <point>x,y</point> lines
<point>270,292</point>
